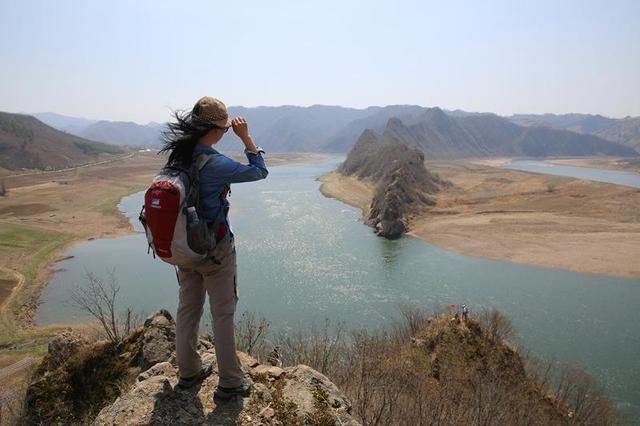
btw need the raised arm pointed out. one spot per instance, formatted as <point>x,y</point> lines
<point>241,129</point>
<point>228,170</point>
<point>234,172</point>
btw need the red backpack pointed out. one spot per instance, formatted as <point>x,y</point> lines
<point>171,215</point>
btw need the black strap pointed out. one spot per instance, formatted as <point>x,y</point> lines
<point>193,198</point>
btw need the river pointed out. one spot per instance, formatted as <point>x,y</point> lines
<point>303,258</point>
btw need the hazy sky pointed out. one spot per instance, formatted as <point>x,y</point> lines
<point>135,60</point>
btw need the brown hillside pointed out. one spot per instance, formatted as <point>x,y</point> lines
<point>27,143</point>
<point>443,370</point>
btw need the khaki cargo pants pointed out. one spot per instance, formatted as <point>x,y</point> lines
<point>217,277</point>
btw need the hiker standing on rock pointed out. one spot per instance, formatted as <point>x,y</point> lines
<point>194,133</point>
<point>465,313</point>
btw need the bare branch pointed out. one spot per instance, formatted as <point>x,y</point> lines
<point>99,299</point>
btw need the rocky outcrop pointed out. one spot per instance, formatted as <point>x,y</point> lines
<point>158,339</point>
<point>404,187</point>
<point>134,382</point>
<point>399,195</point>
<point>280,396</point>
<point>63,346</point>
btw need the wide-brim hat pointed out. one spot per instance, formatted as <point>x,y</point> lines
<point>211,111</point>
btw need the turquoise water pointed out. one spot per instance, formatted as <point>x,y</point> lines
<point>303,257</point>
<point>588,173</point>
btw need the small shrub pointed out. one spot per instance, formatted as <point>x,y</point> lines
<point>496,325</point>
<point>284,410</point>
<point>323,414</point>
<point>322,349</point>
<point>98,298</point>
<point>251,333</point>
<point>92,378</point>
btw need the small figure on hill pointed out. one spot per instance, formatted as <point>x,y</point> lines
<point>192,134</point>
<point>465,313</point>
<point>274,357</point>
<point>3,189</point>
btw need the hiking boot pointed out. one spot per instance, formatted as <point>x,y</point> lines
<point>189,382</point>
<point>225,394</point>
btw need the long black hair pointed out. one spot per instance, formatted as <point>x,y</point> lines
<point>181,136</point>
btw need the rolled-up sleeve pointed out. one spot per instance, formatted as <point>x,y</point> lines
<point>231,171</point>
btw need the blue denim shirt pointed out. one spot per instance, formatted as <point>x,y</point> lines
<point>221,171</point>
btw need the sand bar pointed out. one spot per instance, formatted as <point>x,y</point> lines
<point>526,218</point>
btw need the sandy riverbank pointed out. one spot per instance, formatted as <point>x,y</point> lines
<point>525,218</point>
<point>46,213</point>
<point>350,190</point>
<point>612,163</point>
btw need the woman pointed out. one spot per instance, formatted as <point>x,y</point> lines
<point>192,134</point>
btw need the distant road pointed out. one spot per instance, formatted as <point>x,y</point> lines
<point>97,163</point>
<point>17,366</point>
<point>19,283</point>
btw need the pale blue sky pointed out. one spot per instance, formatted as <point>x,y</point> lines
<point>135,60</point>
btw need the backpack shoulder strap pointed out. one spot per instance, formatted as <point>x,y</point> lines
<point>199,162</point>
<point>193,198</point>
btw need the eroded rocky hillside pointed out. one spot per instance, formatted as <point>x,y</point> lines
<point>404,187</point>
<point>134,382</point>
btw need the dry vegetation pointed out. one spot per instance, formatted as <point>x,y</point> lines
<point>425,370</point>
<point>430,370</point>
<point>92,377</point>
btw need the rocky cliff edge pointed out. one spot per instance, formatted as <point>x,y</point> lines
<point>134,382</point>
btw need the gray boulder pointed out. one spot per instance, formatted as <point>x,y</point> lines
<point>158,339</point>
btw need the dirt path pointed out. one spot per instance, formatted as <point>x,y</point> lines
<point>16,367</point>
<point>19,283</point>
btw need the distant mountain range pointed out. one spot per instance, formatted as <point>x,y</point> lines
<point>28,143</point>
<point>112,132</point>
<point>624,130</point>
<point>443,134</point>
<point>488,135</point>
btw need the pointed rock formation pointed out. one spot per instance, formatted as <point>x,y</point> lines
<point>403,184</point>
